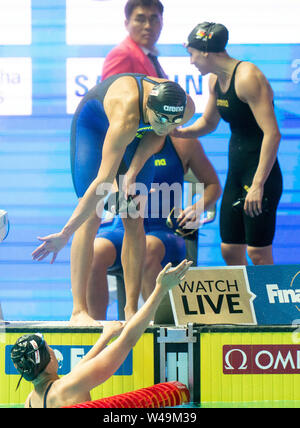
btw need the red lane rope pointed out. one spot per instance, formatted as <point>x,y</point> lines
<point>160,395</point>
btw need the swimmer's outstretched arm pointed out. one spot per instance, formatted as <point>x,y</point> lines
<point>120,133</point>
<point>97,370</point>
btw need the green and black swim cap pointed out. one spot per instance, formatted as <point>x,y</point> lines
<point>208,37</point>
<point>167,98</point>
<point>30,356</point>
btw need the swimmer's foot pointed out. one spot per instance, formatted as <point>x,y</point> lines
<point>83,319</point>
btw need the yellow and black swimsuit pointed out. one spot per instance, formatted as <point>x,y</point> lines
<point>244,151</point>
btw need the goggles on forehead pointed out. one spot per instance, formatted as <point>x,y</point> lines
<point>165,119</point>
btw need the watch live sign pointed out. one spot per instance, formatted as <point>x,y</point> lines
<point>257,295</point>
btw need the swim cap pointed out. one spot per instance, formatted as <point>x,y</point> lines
<point>208,37</point>
<point>30,356</point>
<point>167,98</point>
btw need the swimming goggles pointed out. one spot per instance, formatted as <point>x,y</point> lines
<point>165,119</point>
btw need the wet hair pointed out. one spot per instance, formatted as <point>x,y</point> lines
<point>132,4</point>
<point>208,37</point>
<point>30,356</point>
<point>167,98</point>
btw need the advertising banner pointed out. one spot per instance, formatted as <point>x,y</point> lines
<point>15,20</point>
<point>214,296</point>
<point>15,86</point>
<point>277,290</point>
<point>84,73</point>
<point>89,21</point>
<point>263,295</point>
<point>261,359</point>
<point>245,367</point>
<point>68,356</point>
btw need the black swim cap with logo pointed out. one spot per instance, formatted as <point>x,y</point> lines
<point>208,37</point>
<point>30,356</point>
<point>167,98</point>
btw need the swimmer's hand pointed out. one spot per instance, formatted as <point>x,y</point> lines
<point>177,132</point>
<point>51,244</point>
<point>253,201</point>
<point>129,185</point>
<point>170,276</point>
<point>113,328</point>
<point>189,217</point>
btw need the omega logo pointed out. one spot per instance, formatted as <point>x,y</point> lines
<point>243,365</point>
<point>261,359</point>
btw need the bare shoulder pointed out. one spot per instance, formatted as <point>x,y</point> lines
<point>121,100</point>
<point>26,405</point>
<point>123,89</point>
<point>250,81</point>
<point>58,394</point>
<point>247,70</point>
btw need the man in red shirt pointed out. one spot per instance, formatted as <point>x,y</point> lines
<point>137,53</point>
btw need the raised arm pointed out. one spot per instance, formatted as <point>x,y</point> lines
<point>97,370</point>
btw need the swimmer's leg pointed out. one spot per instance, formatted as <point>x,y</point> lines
<point>105,254</point>
<point>234,254</point>
<point>132,257</point>
<point>155,253</point>
<point>261,255</point>
<point>82,251</point>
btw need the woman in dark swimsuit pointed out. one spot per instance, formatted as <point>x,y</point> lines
<point>242,96</point>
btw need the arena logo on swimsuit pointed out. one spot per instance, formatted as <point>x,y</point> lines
<point>222,103</point>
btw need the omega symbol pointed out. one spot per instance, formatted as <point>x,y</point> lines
<point>228,365</point>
